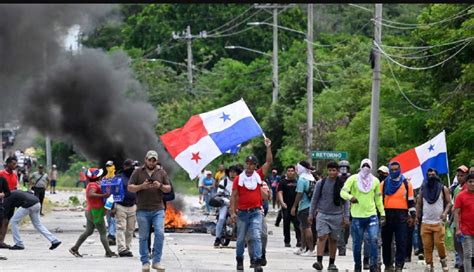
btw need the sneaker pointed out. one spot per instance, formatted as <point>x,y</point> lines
<point>421,257</point>
<point>357,268</point>
<point>263,261</point>
<point>54,245</point>
<point>240,263</point>
<point>217,242</point>
<point>389,268</point>
<point>3,258</point>
<point>318,266</point>
<point>75,252</point>
<point>146,267</point>
<point>17,247</point>
<point>333,267</point>
<point>158,267</point>
<point>444,265</point>
<point>308,253</point>
<point>111,240</point>
<point>298,244</point>
<point>342,252</point>
<point>298,251</point>
<point>125,253</point>
<point>287,245</point>
<point>366,263</point>
<point>111,254</point>
<point>429,268</point>
<point>4,245</point>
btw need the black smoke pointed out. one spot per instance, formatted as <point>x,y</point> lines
<point>89,99</point>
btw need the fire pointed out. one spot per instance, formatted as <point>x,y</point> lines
<point>173,217</point>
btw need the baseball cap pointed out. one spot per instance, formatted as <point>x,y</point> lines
<point>54,165</point>
<point>151,154</point>
<point>251,158</point>
<point>109,163</point>
<point>383,168</point>
<point>462,168</point>
<point>208,172</point>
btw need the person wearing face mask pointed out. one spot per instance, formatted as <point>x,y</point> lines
<point>125,213</point>
<point>344,174</point>
<point>433,204</point>
<point>111,222</point>
<point>399,204</point>
<point>363,190</point>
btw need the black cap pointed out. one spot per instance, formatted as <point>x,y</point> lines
<point>251,158</point>
<point>128,162</point>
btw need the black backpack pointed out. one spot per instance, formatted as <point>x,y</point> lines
<point>169,196</point>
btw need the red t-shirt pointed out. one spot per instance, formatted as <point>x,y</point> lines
<point>248,199</point>
<point>12,179</point>
<point>465,202</point>
<point>94,202</point>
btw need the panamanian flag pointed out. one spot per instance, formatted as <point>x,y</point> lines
<point>208,135</point>
<point>416,161</point>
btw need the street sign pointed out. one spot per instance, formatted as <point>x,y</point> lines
<point>329,155</point>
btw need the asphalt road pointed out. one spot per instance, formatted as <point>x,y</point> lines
<point>182,252</point>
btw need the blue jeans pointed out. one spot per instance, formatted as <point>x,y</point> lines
<point>358,227</point>
<point>207,197</point>
<point>145,219</point>
<point>249,221</point>
<point>379,245</point>
<point>221,221</point>
<point>111,224</point>
<point>34,213</point>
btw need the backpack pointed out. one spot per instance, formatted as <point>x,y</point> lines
<point>311,187</point>
<point>169,196</point>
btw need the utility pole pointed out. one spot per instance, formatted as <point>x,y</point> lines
<point>374,110</point>
<point>309,129</point>
<point>275,83</point>
<point>275,57</point>
<point>47,139</point>
<point>188,37</point>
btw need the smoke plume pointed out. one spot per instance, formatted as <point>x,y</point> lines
<point>90,99</point>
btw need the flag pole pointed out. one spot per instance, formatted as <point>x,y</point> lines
<point>447,159</point>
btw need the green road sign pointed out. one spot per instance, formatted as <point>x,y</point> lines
<point>329,155</point>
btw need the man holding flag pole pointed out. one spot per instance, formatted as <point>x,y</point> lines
<point>206,136</point>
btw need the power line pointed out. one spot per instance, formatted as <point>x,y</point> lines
<point>238,24</point>
<point>340,42</point>
<point>458,87</point>
<point>231,21</point>
<point>455,16</point>
<point>429,46</point>
<point>410,56</point>
<point>420,68</point>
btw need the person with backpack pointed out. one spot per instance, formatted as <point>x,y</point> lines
<point>124,212</point>
<point>304,190</point>
<point>286,197</point>
<point>433,204</point>
<point>39,182</point>
<point>331,213</point>
<point>363,190</point>
<point>399,204</point>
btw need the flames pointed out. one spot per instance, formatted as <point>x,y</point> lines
<point>173,217</point>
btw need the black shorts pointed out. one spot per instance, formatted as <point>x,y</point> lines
<point>303,218</point>
<point>53,183</point>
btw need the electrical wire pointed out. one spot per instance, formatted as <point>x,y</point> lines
<point>340,42</point>
<point>429,46</point>
<point>246,29</point>
<point>426,56</point>
<point>458,88</point>
<point>420,68</point>
<point>361,7</point>
<point>231,21</point>
<point>238,24</point>
<point>455,16</point>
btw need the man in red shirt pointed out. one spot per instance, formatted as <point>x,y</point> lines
<point>464,220</point>
<point>9,173</point>
<point>245,204</point>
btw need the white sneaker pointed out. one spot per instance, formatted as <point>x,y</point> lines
<point>146,267</point>
<point>158,267</point>
<point>309,253</point>
<point>298,251</point>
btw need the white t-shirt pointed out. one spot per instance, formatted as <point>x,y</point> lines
<point>228,188</point>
